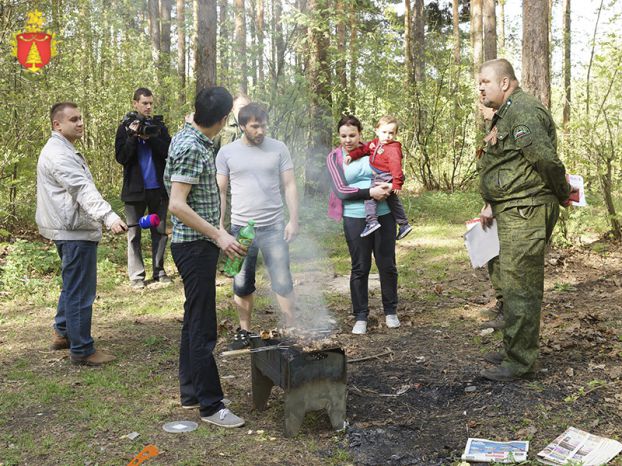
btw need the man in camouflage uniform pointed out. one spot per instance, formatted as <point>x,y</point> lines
<point>232,130</point>
<point>522,182</point>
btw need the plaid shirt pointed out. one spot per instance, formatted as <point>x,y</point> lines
<point>191,160</point>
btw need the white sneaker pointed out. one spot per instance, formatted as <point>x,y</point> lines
<point>224,418</point>
<point>392,321</point>
<point>360,327</point>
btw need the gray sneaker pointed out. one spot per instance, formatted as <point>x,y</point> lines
<point>224,418</point>
<point>138,284</point>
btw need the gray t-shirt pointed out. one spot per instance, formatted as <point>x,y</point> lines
<point>255,178</point>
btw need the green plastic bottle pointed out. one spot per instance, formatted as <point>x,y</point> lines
<point>245,238</point>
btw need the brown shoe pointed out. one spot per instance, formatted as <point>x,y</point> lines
<point>58,342</point>
<point>96,359</point>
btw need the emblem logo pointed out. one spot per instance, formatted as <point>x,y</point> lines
<point>521,131</point>
<point>33,47</point>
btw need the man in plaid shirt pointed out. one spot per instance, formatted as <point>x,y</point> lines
<point>190,179</point>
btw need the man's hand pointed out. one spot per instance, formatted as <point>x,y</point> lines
<point>291,231</point>
<point>380,192</point>
<point>485,216</point>
<point>134,131</point>
<point>347,159</point>
<point>229,245</point>
<point>118,226</point>
<point>574,196</point>
<point>397,190</point>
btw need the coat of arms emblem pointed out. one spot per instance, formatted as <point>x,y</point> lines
<point>34,47</point>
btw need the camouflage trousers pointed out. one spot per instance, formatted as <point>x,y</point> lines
<point>494,272</point>
<point>523,236</point>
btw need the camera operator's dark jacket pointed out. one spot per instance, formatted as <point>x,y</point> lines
<point>126,153</point>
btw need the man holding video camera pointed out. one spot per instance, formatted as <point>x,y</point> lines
<point>141,146</point>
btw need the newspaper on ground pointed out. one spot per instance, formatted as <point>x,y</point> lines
<point>480,450</point>
<point>579,447</point>
<point>482,245</point>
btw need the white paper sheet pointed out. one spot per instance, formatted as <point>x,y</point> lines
<point>481,245</point>
<point>576,181</point>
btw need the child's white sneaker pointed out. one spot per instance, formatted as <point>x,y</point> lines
<point>392,321</point>
<point>360,327</point>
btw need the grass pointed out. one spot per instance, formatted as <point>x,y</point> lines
<point>54,413</point>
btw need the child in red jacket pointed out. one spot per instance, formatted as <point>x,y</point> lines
<point>386,162</point>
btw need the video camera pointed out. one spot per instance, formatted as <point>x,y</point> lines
<point>147,127</point>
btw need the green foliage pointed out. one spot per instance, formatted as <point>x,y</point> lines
<point>26,267</point>
<point>104,53</point>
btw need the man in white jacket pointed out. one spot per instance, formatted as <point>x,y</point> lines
<point>70,211</point>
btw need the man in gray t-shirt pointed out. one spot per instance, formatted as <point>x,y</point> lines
<point>257,167</point>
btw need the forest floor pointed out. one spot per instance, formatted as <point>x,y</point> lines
<point>417,405</point>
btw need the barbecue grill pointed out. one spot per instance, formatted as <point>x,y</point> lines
<point>311,380</point>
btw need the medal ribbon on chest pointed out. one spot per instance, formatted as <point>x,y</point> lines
<point>491,137</point>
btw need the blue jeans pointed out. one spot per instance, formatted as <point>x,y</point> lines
<point>275,251</point>
<point>75,304</point>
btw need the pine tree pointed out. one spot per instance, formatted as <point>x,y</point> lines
<point>33,58</point>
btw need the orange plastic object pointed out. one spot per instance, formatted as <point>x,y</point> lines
<point>148,452</point>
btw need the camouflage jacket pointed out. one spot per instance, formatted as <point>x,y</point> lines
<point>519,165</point>
<point>228,134</point>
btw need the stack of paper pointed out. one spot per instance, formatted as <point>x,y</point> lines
<point>482,245</point>
<point>578,447</point>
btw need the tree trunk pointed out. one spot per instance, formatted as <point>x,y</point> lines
<point>490,30</point>
<point>456,30</point>
<point>205,51</point>
<point>535,61</point>
<point>419,41</point>
<point>252,26</point>
<point>240,45</point>
<point>260,38</point>
<point>606,185</point>
<point>153,18</point>
<point>354,56</point>
<point>340,62</point>
<point>408,44</point>
<point>224,37</point>
<point>165,30</point>
<point>279,43</point>
<point>501,29</point>
<point>567,65</point>
<point>318,76</point>
<point>181,47</point>
<point>194,46</point>
<point>477,35</point>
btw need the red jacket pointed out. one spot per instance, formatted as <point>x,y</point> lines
<point>384,157</point>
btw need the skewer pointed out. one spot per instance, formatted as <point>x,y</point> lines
<point>253,350</point>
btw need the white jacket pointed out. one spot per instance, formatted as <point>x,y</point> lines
<point>69,206</point>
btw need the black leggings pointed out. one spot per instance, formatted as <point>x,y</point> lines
<point>382,244</point>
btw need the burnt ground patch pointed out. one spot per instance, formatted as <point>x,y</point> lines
<point>421,404</point>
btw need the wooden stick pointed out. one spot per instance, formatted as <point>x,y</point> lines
<point>374,356</point>
<point>237,352</point>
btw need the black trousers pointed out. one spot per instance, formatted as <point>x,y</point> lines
<point>155,203</point>
<point>198,375</point>
<point>382,244</point>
